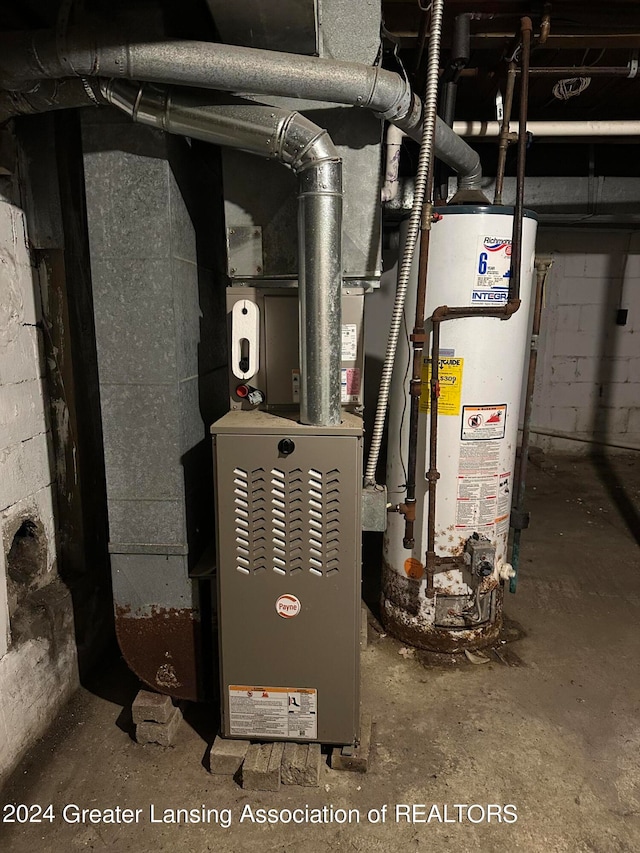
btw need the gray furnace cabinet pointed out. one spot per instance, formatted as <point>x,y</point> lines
<point>289,569</point>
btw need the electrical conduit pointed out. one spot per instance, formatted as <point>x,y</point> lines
<point>422,175</point>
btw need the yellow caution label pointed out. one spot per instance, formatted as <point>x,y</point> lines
<point>450,379</point>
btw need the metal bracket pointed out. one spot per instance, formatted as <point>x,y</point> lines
<point>244,251</point>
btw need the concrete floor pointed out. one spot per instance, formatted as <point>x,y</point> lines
<point>557,735</point>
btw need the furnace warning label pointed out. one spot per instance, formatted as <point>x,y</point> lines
<point>493,270</point>
<point>350,385</point>
<point>482,423</point>
<point>273,712</point>
<point>450,380</point>
<point>349,342</point>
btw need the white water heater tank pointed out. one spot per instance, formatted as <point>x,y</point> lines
<point>481,362</point>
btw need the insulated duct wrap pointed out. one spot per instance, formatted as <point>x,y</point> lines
<point>28,57</point>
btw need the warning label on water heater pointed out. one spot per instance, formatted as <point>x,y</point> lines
<point>493,270</point>
<point>481,423</point>
<point>273,712</point>
<point>476,501</point>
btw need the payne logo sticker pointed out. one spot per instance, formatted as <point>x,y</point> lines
<point>288,606</point>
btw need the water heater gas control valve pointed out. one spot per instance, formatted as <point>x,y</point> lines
<point>480,556</point>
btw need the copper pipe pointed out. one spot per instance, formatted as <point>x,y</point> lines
<point>504,133</point>
<point>545,26</point>
<point>526,28</point>
<point>432,474</point>
<point>456,312</point>
<point>417,338</point>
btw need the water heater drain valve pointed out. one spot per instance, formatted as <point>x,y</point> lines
<point>506,571</point>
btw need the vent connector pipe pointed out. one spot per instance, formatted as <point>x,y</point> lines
<point>26,57</point>
<point>309,152</point>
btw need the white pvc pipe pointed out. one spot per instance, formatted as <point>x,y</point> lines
<point>489,129</point>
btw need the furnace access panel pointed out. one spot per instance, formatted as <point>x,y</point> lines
<point>289,528</point>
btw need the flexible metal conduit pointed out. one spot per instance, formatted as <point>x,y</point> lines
<point>31,56</point>
<point>308,150</point>
<point>422,175</point>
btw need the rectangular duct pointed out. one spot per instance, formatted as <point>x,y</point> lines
<point>259,197</point>
<point>287,25</point>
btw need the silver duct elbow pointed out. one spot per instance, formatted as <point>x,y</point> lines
<point>26,57</point>
<point>308,150</point>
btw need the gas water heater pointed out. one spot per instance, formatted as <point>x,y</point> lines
<point>480,369</point>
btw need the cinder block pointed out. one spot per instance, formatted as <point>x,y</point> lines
<point>575,344</point>
<point>355,758</point>
<point>606,265</point>
<point>563,418</point>
<point>161,733</point>
<point>578,394</point>
<point>574,265</point>
<point>564,368</point>
<point>634,420</point>
<point>226,756</point>
<point>301,764</point>
<point>150,707</point>
<point>261,768</point>
<point>582,291</point>
<point>610,423</point>
<point>587,369</point>
<point>568,318</point>
<point>627,343</point>
<point>22,415</point>
<point>596,319</point>
<point>621,395</point>
<point>619,370</point>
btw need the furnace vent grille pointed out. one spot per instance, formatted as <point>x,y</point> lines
<point>287,520</point>
<point>324,521</point>
<point>250,504</point>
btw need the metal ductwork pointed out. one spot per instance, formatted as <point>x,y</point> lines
<point>309,152</point>
<point>29,57</point>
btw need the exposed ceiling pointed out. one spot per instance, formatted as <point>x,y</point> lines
<point>582,33</point>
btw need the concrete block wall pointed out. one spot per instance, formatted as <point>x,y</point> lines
<point>38,668</point>
<point>588,380</point>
